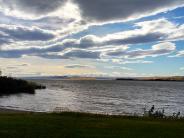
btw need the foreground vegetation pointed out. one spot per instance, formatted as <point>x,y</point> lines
<point>12,86</point>
<point>77,125</point>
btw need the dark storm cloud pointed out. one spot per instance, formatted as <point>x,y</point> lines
<point>107,10</point>
<point>38,7</point>
<point>25,34</point>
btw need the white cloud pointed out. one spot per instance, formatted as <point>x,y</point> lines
<point>179,54</point>
<point>156,50</point>
<point>30,8</point>
<point>119,68</point>
<point>123,61</point>
<point>163,46</point>
<point>90,46</point>
<point>74,66</point>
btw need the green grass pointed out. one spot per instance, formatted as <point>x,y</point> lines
<point>72,125</point>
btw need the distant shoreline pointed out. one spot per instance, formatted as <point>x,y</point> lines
<point>149,80</point>
<point>73,78</point>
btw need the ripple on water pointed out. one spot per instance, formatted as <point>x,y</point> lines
<point>112,97</point>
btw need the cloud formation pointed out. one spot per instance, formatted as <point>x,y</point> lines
<point>19,33</point>
<point>36,7</point>
<point>179,54</point>
<point>108,10</point>
<point>66,29</point>
<point>73,66</point>
<point>95,47</point>
<point>156,50</point>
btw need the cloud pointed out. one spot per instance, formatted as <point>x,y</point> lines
<point>81,54</point>
<point>64,30</point>
<point>164,46</point>
<point>24,65</point>
<point>78,66</point>
<point>4,40</point>
<point>146,32</point>
<point>182,68</point>
<point>67,54</point>
<point>136,62</point>
<point>95,47</point>
<point>119,68</point>
<point>179,54</point>
<point>96,10</point>
<point>20,33</point>
<point>36,7</point>
<point>17,65</point>
<point>157,50</point>
<point>177,33</point>
<point>158,30</point>
<point>136,39</point>
<point>109,10</point>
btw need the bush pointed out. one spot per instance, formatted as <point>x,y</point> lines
<point>159,113</point>
<point>12,86</point>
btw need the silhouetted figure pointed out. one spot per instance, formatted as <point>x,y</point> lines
<point>151,110</point>
<point>178,114</point>
<point>163,111</point>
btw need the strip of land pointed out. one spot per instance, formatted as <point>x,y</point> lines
<point>79,125</point>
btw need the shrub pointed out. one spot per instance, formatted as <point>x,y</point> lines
<point>10,85</point>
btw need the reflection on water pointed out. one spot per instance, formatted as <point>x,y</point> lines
<point>112,97</point>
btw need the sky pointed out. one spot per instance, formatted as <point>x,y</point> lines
<point>105,38</point>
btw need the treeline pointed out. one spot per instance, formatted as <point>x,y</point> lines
<point>10,85</point>
<point>173,78</point>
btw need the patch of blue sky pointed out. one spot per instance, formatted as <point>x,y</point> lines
<point>143,46</point>
<point>160,66</point>
<point>176,15</point>
<point>102,30</point>
<point>180,45</point>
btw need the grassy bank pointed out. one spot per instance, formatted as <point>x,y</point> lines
<point>86,125</point>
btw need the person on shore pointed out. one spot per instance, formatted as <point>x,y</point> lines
<point>151,110</point>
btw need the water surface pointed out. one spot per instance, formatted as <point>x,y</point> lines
<point>108,96</point>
